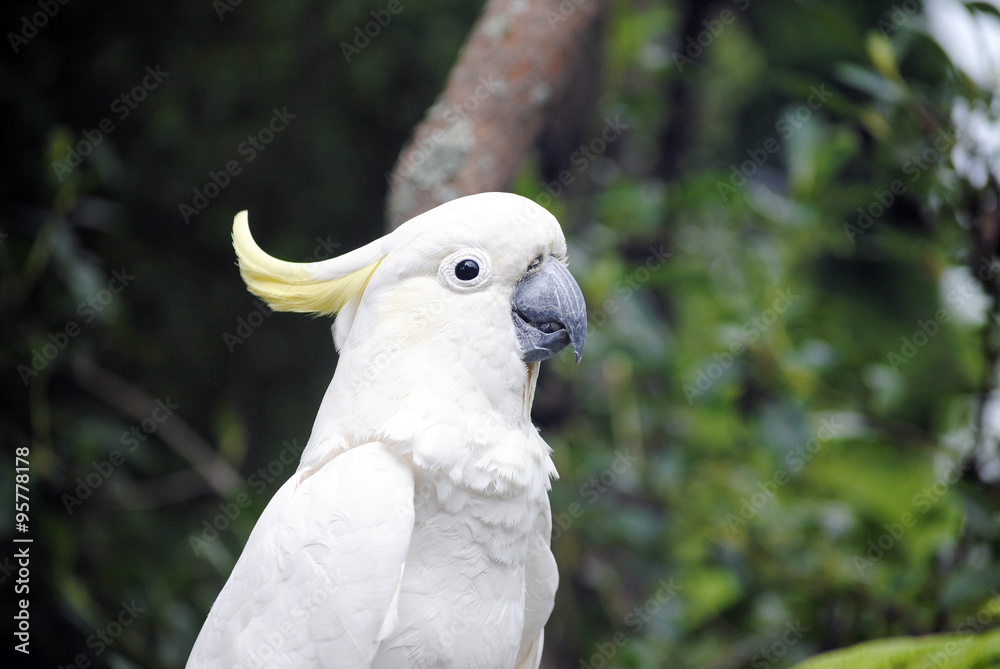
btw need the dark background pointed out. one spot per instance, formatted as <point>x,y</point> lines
<point>782,438</point>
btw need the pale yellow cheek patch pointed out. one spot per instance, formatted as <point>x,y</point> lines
<point>288,286</point>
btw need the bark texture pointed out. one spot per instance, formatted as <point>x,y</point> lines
<point>526,77</point>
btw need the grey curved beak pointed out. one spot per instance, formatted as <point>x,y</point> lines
<point>549,313</point>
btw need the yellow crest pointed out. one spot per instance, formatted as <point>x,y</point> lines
<point>320,288</point>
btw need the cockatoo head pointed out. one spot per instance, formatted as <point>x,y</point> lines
<point>440,325</point>
<point>473,266</point>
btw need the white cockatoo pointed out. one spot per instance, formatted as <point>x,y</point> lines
<point>415,531</point>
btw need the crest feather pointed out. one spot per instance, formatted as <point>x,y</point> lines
<point>321,288</point>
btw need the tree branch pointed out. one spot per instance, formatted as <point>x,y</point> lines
<point>522,66</point>
<point>174,432</point>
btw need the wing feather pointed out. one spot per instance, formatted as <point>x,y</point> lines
<point>541,578</point>
<point>317,584</point>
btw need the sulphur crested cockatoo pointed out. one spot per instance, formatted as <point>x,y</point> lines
<point>415,532</point>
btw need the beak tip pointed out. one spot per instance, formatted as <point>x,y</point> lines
<point>577,345</point>
<point>578,331</point>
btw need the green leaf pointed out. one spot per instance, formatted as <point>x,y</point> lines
<point>984,7</point>
<point>951,651</point>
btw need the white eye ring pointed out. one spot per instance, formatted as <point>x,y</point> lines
<point>446,271</point>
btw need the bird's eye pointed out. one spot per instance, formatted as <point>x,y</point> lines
<point>535,263</point>
<point>467,270</point>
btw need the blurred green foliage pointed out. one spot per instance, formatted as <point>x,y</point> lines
<point>781,441</point>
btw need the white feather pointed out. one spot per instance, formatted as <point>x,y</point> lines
<point>420,506</point>
<point>319,574</point>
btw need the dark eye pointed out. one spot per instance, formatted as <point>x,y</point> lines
<point>467,270</point>
<point>535,263</point>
